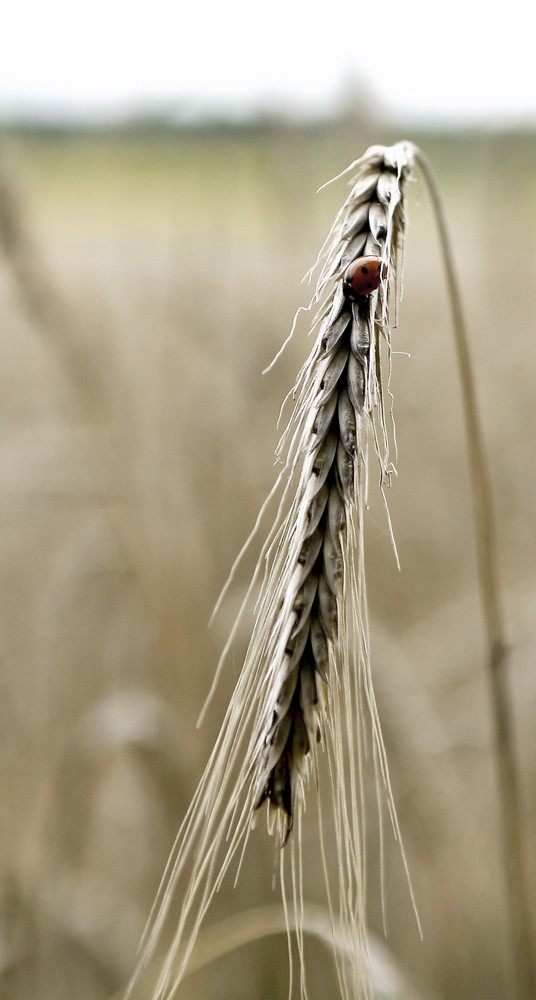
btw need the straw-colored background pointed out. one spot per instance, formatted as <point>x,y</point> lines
<point>146,282</point>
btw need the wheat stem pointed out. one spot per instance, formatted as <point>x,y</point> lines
<point>523,969</point>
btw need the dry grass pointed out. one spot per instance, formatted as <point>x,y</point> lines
<point>118,537</point>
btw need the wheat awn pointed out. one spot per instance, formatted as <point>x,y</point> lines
<point>306,677</point>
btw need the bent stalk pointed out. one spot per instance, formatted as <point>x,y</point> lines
<point>523,970</point>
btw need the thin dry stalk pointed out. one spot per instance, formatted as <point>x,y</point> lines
<point>306,678</point>
<point>43,303</point>
<point>91,377</point>
<point>522,971</point>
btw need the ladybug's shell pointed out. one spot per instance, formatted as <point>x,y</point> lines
<point>364,275</point>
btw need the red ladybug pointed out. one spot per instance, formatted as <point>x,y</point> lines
<point>363,275</point>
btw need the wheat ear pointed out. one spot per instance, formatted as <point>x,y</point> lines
<point>306,677</point>
<point>340,401</point>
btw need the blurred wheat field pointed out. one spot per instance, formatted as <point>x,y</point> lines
<point>136,440</point>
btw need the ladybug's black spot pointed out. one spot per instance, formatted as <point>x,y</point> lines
<point>364,270</point>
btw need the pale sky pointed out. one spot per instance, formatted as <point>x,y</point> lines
<point>451,61</point>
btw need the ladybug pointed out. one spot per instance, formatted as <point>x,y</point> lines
<point>364,275</point>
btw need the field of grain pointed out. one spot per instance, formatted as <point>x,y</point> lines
<point>146,280</point>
